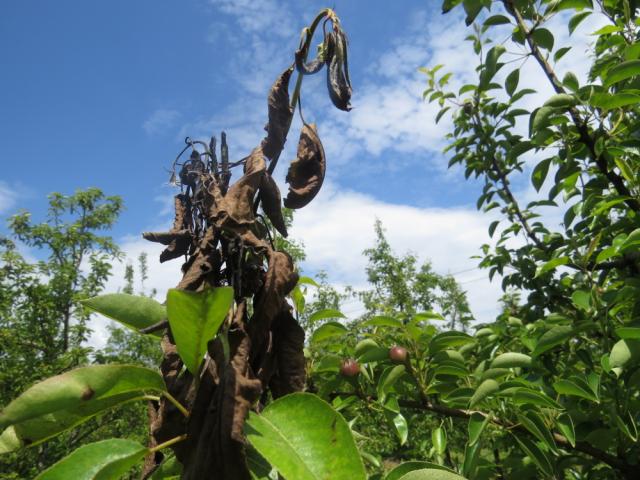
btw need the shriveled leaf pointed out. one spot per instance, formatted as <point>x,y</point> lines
<point>133,311</point>
<point>306,173</point>
<point>305,439</point>
<point>195,318</point>
<point>61,402</point>
<point>104,460</point>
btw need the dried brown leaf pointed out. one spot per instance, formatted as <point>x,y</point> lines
<point>306,172</point>
<point>272,203</point>
<point>280,114</point>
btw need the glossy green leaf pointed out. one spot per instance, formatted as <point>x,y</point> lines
<point>195,318</point>
<point>132,311</point>
<point>628,332</point>
<point>383,321</point>
<point>172,468</point>
<point>576,20</point>
<point>625,353</point>
<point>496,20</point>
<point>328,330</point>
<point>632,241</point>
<point>431,474</point>
<point>551,265</point>
<point>565,425</point>
<point>439,440</point>
<point>543,38</point>
<point>561,100</point>
<point>561,52</point>
<point>536,455</point>
<point>527,396</point>
<point>511,83</point>
<point>534,423</point>
<point>540,119</point>
<point>105,460</point>
<point>581,299</point>
<point>376,354</point>
<point>477,423</point>
<point>539,173</point>
<point>449,339</point>
<point>63,401</point>
<point>387,380</point>
<point>396,419</point>
<point>609,101</point>
<point>485,389</point>
<point>324,314</point>
<point>622,71</point>
<point>574,388</point>
<point>398,472</point>
<point>305,439</point>
<point>303,280</point>
<point>511,360</point>
<point>552,338</point>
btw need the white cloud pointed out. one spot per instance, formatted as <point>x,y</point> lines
<point>8,197</point>
<point>338,225</point>
<point>160,121</point>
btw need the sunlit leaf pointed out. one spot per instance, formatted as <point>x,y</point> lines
<point>133,311</point>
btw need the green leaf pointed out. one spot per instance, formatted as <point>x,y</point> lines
<point>632,241</point>
<point>581,299</point>
<point>622,71</point>
<point>628,333</point>
<point>552,338</point>
<point>551,265</point>
<point>568,387</point>
<point>539,173</point>
<point>308,281</point>
<point>511,83</point>
<point>625,353</point>
<point>486,388</point>
<point>195,318</point>
<point>105,460</point>
<point>477,422</point>
<point>536,455</point>
<point>511,360</point>
<point>449,339</point>
<point>565,425</point>
<point>328,330</point>
<point>561,100</point>
<point>61,402</point>
<point>540,119</point>
<point>543,38</point>
<point>534,423</point>
<point>395,418</point>
<point>439,440</point>
<point>607,253</point>
<point>398,472</point>
<point>305,439</point>
<point>172,468</point>
<point>324,314</point>
<point>576,20</point>
<point>527,396</point>
<point>561,52</point>
<point>608,101</point>
<point>569,5</point>
<point>132,311</point>
<point>607,30</point>
<point>571,81</point>
<point>387,380</point>
<point>383,321</point>
<point>431,474</point>
<point>496,20</point>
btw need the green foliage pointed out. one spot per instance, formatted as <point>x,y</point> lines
<point>304,438</point>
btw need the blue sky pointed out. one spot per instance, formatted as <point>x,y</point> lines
<point>103,94</point>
